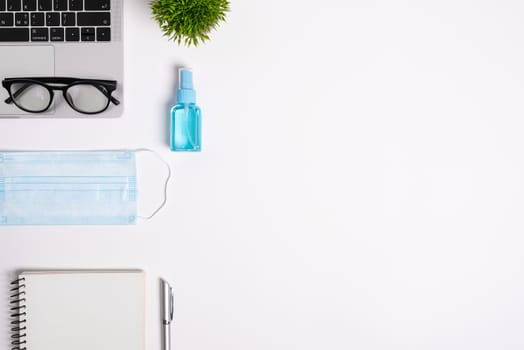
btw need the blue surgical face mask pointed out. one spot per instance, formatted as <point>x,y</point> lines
<point>69,188</point>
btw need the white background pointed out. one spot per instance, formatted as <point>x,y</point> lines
<point>361,184</point>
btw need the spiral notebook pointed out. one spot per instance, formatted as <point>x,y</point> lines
<point>80,310</point>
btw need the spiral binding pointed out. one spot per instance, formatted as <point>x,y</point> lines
<point>18,319</point>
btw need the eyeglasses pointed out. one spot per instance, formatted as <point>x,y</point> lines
<point>35,95</point>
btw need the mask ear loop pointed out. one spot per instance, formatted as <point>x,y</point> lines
<point>166,183</point>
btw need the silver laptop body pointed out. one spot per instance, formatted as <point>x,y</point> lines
<point>95,52</point>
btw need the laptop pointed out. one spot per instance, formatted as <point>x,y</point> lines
<point>61,38</point>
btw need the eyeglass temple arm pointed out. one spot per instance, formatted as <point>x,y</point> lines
<point>19,91</point>
<point>114,100</point>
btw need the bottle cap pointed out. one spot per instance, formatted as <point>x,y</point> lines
<point>185,93</point>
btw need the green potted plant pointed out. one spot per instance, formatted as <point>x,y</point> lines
<point>189,22</point>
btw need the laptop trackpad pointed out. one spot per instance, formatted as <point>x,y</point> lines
<point>24,61</point>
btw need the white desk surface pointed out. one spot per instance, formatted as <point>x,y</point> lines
<point>361,184</point>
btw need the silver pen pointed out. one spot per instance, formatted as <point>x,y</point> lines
<point>168,310</point>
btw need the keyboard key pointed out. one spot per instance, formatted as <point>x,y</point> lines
<point>60,5</point>
<point>22,19</point>
<point>85,19</point>
<point>14,34</point>
<point>45,5</point>
<point>14,5</point>
<point>37,19</point>
<point>97,5</point>
<point>72,34</point>
<point>88,37</point>
<point>57,34</point>
<point>2,5</point>
<point>76,5</point>
<point>6,19</point>
<point>103,34</point>
<point>28,5</point>
<point>68,19</point>
<point>87,34</point>
<point>39,34</point>
<point>52,19</point>
<point>87,30</point>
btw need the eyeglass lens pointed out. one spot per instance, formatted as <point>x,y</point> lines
<point>87,98</point>
<point>31,97</point>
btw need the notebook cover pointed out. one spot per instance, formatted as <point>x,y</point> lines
<point>85,310</point>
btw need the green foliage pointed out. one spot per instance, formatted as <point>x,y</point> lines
<point>189,21</point>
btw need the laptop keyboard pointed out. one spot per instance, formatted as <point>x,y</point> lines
<point>55,20</point>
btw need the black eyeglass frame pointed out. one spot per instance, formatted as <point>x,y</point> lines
<point>106,87</point>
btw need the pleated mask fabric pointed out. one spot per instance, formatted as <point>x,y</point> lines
<point>68,188</point>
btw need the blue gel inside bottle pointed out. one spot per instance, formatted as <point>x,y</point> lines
<point>186,117</point>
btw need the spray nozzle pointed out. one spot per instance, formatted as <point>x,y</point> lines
<point>186,79</point>
<point>186,93</point>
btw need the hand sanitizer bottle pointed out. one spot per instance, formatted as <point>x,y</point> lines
<point>185,116</point>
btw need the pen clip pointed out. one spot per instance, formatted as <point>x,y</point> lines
<point>171,304</point>
<point>168,302</point>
